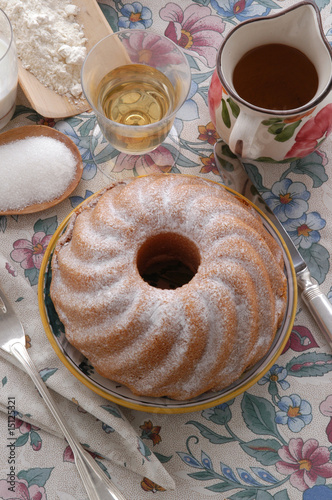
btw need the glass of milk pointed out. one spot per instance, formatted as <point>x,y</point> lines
<point>8,70</point>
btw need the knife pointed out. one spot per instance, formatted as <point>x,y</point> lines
<point>235,176</point>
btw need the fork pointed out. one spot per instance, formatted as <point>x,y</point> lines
<point>12,340</point>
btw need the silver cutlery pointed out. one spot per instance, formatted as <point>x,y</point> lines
<point>12,340</point>
<point>238,179</point>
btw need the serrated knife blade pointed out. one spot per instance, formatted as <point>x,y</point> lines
<point>237,178</point>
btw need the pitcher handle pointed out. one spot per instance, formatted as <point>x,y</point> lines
<point>245,139</point>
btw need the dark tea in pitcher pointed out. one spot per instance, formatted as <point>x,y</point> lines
<point>275,76</point>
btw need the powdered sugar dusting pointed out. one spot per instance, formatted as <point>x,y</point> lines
<point>181,342</point>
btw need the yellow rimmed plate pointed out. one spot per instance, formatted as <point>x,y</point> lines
<point>80,367</point>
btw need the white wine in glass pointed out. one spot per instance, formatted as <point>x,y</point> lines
<point>135,82</point>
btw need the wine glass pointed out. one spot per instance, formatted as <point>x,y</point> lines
<point>135,81</point>
<point>8,70</point>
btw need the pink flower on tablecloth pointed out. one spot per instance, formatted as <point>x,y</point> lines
<point>21,490</point>
<point>149,48</point>
<point>29,434</point>
<point>300,339</point>
<point>195,30</point>
<point>30,253</point>
<point>25,427</point>
<point>326,409</point>
<point>305,462</point>
<point>158,160</point>
<point>68,455</point>
<point>10,269</point>
<point>312,132</point>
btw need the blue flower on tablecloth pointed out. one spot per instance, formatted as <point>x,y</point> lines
<point>190,460</point>
<point>276,374</point>
<point>247,477</point>
<point>287,199</point>
<point>318,492</point>
<point>294,412</point>
<point>189,109</point>
<point>107,428</point>
<point>329,36</point>
<point>83,144</point>
<point>305,230</point>
<point>77,200</point>
<point>242,10</point>
<point>329,295</point>
<point>135,16</point>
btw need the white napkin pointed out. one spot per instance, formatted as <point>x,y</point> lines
<point>86,412</point>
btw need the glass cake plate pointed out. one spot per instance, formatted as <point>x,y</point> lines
<point>80,367</point>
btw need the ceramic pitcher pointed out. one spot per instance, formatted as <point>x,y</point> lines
<point>273,135</point>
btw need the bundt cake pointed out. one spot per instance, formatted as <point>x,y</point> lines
<point>176,342</point>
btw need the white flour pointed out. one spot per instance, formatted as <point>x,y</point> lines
<point>50,43</point>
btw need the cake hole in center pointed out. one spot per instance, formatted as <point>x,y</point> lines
<point>168,260</point>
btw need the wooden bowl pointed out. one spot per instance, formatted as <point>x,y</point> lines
<point>20,133</point>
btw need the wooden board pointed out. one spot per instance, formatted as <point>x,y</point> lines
<point>47,102</point>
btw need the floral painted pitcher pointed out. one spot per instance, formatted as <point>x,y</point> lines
<point>270,135</point>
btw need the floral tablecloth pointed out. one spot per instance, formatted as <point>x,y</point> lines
<point>272,442</point>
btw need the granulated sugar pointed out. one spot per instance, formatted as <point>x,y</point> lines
<point>34,170</point>
<point>50,43</point>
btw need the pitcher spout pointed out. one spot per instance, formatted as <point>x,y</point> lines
<point>302,28</point>
<point>299,26</point>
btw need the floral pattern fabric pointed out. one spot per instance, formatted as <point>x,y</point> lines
<point>273,442</point>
